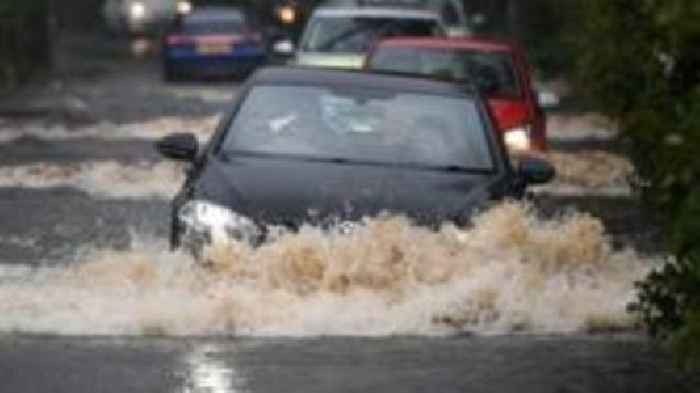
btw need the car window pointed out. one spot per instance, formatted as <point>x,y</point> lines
<point>361,124</point>
<point>495,72</point>
<point>355,35</point>
<point>213,26</point>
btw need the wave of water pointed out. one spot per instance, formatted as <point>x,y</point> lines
<point>510,272</point>
<point>203,127</point>
<point>100,179</point>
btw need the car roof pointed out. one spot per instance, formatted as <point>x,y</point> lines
<point>360,79</point>
<point>465,43</point>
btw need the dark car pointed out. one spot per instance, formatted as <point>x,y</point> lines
<point>214,41</point>
<point>322,147</point>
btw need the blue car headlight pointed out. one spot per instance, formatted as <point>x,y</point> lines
<point>208,223</point>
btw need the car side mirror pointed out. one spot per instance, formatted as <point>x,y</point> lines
<point>180,147</point>
<point>548,100</point>
<point>284,47</point>
<point>536,171</point>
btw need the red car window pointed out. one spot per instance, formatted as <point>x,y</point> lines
<point>495,72</point>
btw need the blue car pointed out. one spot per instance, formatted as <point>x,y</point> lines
<point>213,41</point>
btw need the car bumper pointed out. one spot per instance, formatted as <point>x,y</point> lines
<point>216,65</point>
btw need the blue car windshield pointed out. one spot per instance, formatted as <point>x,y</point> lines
<point>365,125</point>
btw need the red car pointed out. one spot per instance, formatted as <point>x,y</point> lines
<point>499,68</point>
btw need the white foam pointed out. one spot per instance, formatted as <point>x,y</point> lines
<point>510,273</point>
<point>587,126</point>
<point>107,179</point>
<point>203,127</point>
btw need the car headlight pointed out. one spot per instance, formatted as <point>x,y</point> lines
<point>518,139</point>
<point>287,14</point>
<point>184,7</point>
<point>137,10</point>
<point>210,223</point>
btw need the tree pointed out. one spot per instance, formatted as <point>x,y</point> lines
<point>639,63</point>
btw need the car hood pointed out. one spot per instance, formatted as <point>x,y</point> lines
<point>345,61</point>
<point>290,192</point>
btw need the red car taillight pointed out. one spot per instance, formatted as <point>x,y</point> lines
<point>509,113</point>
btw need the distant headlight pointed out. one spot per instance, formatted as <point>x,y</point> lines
<point>518,139</point>
<point>287,14</point>
<point>210,223</point>
<point>184,7</point>
<point>137,10</point>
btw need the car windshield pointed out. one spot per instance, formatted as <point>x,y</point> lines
<point>495,72</point>
<point>356,35</point>
<point>375,126</point>
<point>213,26</point>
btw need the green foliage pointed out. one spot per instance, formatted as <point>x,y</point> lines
<point>639,63</point>
<point>24,39</point>
<point>547,34</point>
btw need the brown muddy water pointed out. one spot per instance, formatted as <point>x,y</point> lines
<point>512,272</point>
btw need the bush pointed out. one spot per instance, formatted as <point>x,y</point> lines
<point>639,64</point>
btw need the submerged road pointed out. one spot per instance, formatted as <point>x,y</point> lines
<point>408,365</point>
<point>53,218</point>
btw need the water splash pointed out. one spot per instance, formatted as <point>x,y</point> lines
<point>580,126</point>
<point>510,272</point>
<point>100,179</point>
<point>592,169</point>
<point>203,127</point>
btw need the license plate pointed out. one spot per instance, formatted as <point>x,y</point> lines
<point>213,49</point>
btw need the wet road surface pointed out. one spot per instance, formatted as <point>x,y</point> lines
<point>476,364</point>
<point>49,226</point>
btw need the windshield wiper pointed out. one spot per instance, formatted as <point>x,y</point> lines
<point>286,156</point>
<point>351,161</point>
<point>450,168</point>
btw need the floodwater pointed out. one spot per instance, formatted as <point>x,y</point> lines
<point>537,364</point>
<point>91,299</point>
<point>102,179</point>
<point>510,273</point>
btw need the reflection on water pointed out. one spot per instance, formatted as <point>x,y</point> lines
<point>206,373</point>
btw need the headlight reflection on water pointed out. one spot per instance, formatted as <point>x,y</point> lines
<point>205,373</point>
